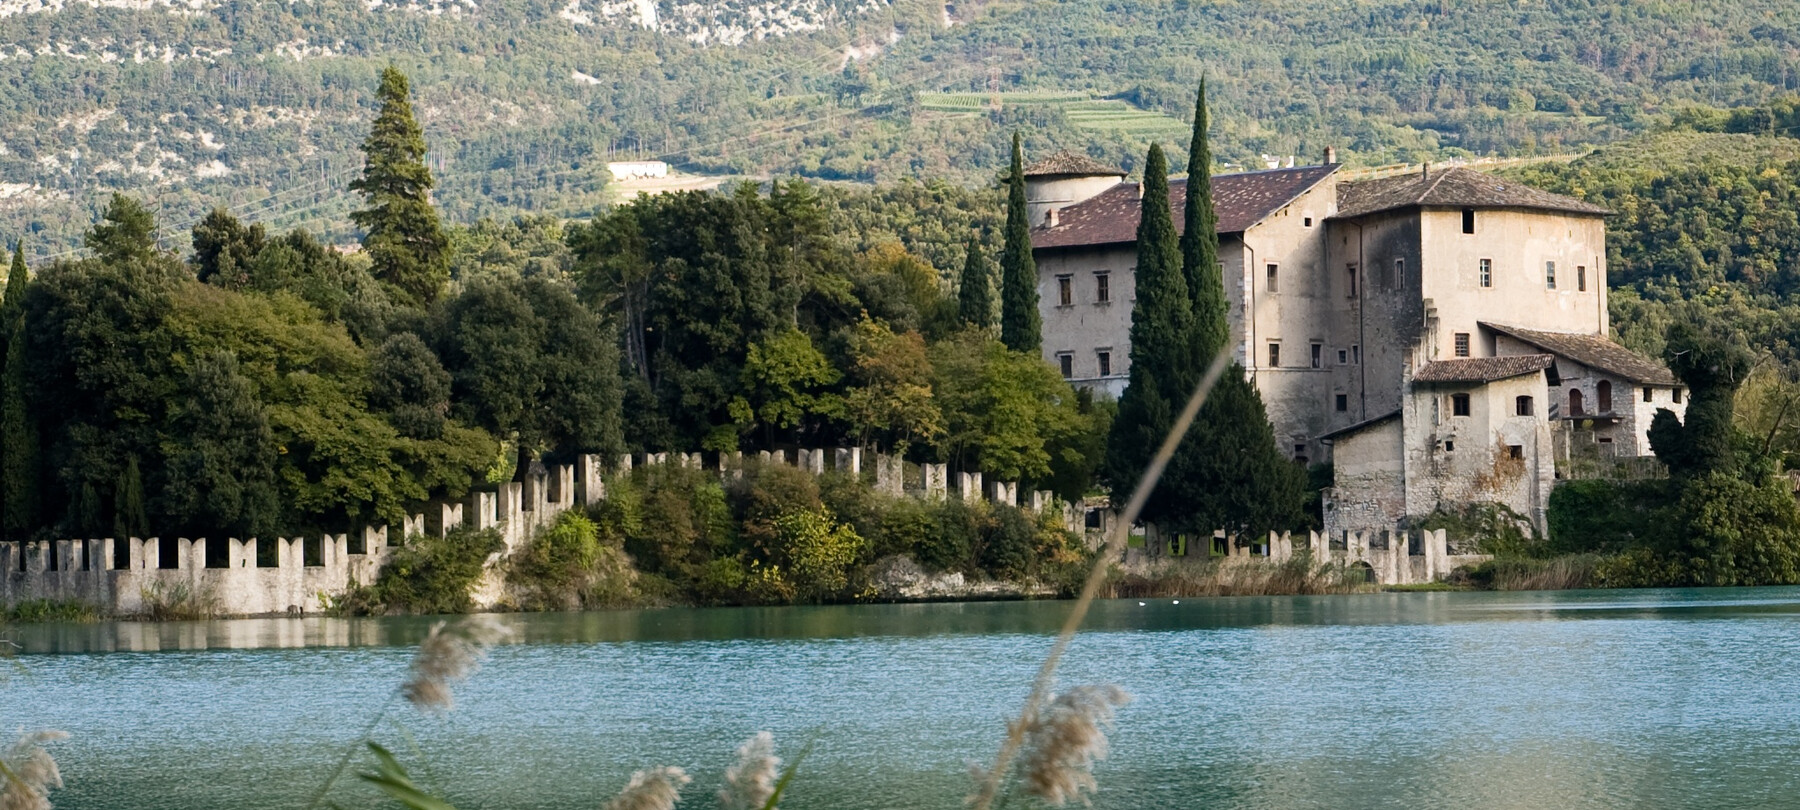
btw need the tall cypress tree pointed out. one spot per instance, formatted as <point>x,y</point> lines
<point>404,239</point>
<point>1200,241</point>
<point>1162,367</point>
<point>1021,328</point>
<point>20,471</point>
<point>975,292</point>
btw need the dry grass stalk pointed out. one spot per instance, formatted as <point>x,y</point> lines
<point>29,772</point>
<point>1062,743</point>
<point>654,789</point>
<point>751,780</point>
<point>1115,544</point>
<point>448,657</point>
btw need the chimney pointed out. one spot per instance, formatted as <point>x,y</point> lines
<point>1050,218</point>
<point>1425,170</point>
<point>1330,155</point>
<point>1140,189</point>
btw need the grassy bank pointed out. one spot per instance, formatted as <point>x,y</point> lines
<point>1298,576</point>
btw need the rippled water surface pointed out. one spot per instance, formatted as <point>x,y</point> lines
<point>1649,699</point>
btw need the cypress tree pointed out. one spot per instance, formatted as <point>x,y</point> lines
<point>1162,368</point>
<point>13,306</point>
<point>1021,328</point>
<point>975,293</point>
<point>130,519</point>
<point>18,433</point>
<point>406,243</point>
<point>1200,241</point>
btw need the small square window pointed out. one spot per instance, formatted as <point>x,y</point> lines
<point>1515,450</point>
<point>1459,404</point>
<point>1343,356</point>
<point>1274,355</point>
<point>1066,362</point>
<point>1580,278</point>
<point>1675,395</point>
<point>1468,220</point>
<point>1487,272</point>
<point>1549,275</point>
<point>1307,221</point>
<point>1522,406</point>
<point>1065,291</point>
<point>1343,402</point>
<point>1102,287</point>
<point>1449,445</point>
<point>1105,358</point>
<point>1318,355</point>
<point>1649,394</point>
<point>1274,284</point>
<point>1462,344</point>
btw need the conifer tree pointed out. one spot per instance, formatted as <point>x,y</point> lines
<point>1162,367</point>
<point>12,307</point>
<point>975,293</point>
<point>20,473</point>
<point>1200,242</point>
<point>406,243</point>
<point>1021,328</point>
<point>130,518</point>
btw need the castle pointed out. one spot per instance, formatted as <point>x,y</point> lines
<point>1440,337</point>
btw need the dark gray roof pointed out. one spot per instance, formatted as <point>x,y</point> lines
<point>1240,200</point>
<point>1482,369</point>
<point>1594,351</point>
<point>1451,188</point>
<point>1069,164</point>
<point>1359,426</point>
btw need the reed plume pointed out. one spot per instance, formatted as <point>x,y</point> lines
<point>29,772</point>
<point>1063,741</point>
<point>750,782</point>
<point>654,789</point>
<point>448,657</point>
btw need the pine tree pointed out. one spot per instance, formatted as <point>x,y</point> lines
<point>1200,242</point>
<point>1021,328</point>
<point>125,233</point>
<point>406,243</point>
<point>975,293</point>
<point>1162,367</point>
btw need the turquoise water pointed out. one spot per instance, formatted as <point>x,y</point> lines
<point>1649,699</point>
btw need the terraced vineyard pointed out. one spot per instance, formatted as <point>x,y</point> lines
<point>1109,115</point>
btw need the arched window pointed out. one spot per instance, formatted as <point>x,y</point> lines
<point>1603,396</point>
<point>1575,408</point>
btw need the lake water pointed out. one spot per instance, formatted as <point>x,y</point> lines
<point>1634,699</point>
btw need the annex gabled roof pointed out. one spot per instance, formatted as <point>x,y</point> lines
<point>1594,351</point>
<point>1069,164</point>
<point>1359,426</point>
<point>1482,369</point>
<point>1241,200</point>
<point>1451,188</point>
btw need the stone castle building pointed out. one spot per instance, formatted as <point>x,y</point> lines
<point>1440,337</point>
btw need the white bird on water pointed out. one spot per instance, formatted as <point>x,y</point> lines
<point>1140,604</point>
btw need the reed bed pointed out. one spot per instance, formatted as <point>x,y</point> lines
<point>1298,576</point>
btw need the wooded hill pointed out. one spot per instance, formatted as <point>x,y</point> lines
<point>258,105</point>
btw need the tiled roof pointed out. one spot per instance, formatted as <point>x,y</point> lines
<point>1451,188</point>
<point>1069,164</point>
<point>1241,200</point>
<point>1481,369</point>
<point>1593,351</point>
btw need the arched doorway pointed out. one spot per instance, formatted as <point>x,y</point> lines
<point>1361,571</point>
<point>1575,404</point>
<point>1603,396</point>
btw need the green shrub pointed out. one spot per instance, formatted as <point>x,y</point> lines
<point>1734,532</point>
<point>904,526</point>
<point>1009,542</point>
<point>429,574</point>
<point>951,546</point>
<point>1493,528</point>
<point>570,565</point>
<point>1606,516</point>
<point>818,553</point>
<point>32,611</point>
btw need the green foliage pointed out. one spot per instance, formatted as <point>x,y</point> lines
<point>403,238</point>
<point>952,546</point>
<point>1494,527</point>
<point>975,289</point>
<point>391,778</point>
<point>130,516</point>
<point>429,574</point>
<point>1228,472</point>
<point>1735,532</point>
<point>34,611</point>
<point>783,385</point>
<point>570,565</point>
<point>1200,242</point>
<point>408,382</point>
<point>814,553</point>
<point>1009,542</point>
<point>889,403</point>
<point>1004,411</point>
<point>1606,517</point>
<point>221,477</point>
<point>224,249</point>
<point>1021,327</point>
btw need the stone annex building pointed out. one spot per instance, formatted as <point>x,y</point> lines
<point>1440,337</point>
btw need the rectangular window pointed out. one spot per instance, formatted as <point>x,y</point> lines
<point>1343,402</point>
<point>1468,220</point>
<point>1549,275</point>
<point>1647,394</point>
<point>1318,355</point>
<point>1308,222</point>
<point>1343,356</point>
<point>1522,406</point>
<point>1350,279</point>
<point>1515,450</point>
<point>1399,273</point>
<point>1487,272</point>
<point>1580,278</point>
<point>1274,355</point>
<point>1065,291</point>
<point>1105,358</point>
<point>1449,445</point>
<point>1355,355</point>
<point>1675,395</point>
<point>1274,284</point>
<point>1102,287</point>
<point>1459,404</point>
<point>1462,344</point>
<point>1066,362</point>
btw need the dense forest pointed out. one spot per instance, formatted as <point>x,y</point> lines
<point>255,106</point>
